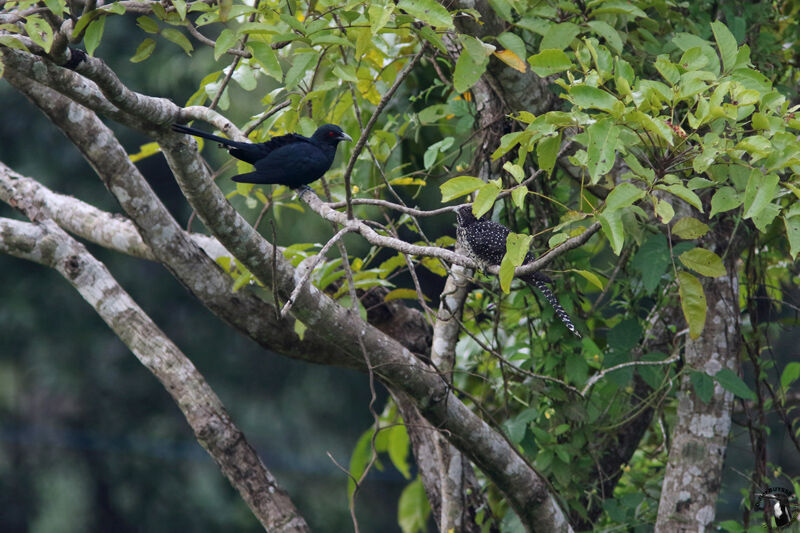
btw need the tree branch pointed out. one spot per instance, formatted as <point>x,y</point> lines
<point>108,230</point>
<point>47,244</point>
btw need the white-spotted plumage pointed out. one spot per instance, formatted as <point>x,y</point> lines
<point>485,242</point>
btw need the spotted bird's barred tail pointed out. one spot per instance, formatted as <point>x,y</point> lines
<point>539,283</point>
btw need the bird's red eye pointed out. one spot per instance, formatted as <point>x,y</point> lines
<point>331,134</point>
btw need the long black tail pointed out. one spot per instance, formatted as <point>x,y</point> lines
<point>539,283</point>
<point>180,128</point>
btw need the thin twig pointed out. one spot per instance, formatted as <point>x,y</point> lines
<point>396,207</point>
<point>310,268</point>
<point>373,237</point>
<point>240,53</point>
<point>362,140</point>
<point>594,379</point>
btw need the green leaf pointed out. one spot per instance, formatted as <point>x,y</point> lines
<point>704,262</point>
<point>300,329</point>
<point>144,50</point>
<point>180,8</point>
<point>763,219</point>
<point>434,265</point>
<point>726,43</point>
<point>11,42</point>
<point>600,149</point>
<point>413,508</point>
<point>40,31</point>
<point>428,11</point>
<point>607,32</point>
<point>362,453</point>
<point>432,152</point>
<point>612,227</point>
<point>664,210</point>
<point>667,69</point>
<point>725,199</point>
<point>684,194</point>
<point>400,294</point>
<point>591,277</point>
<point>397,448</point>
<point>760,191</point>
<point>459,186</point>
<point>589,97</point>
<point>729,381</point>
<point>513,42</point>
<point>515,170</point>
<point>467,72</point>
<point>265,55</point>
<point>689,228</point>
<point>559,36</point>
<point>225,41</point>
<point>145,151</point>
<point>518,196</point>
<point>652,260</point>
<point>93,34</point>
<point>703,385</point>
<point>547,151</point>
<point>653,125</point>
<point>756,145</point>
<point>548,62</point>
<point>147,24</point>
<point>175,36</point>
<point>793,234</point>
<point>623,337</point>
<point>329,38</point>
<point>693,302</point>
<point>693,59</point>
<point>517,247</point>
<point>517,426</point>
<point>618,8</point>
<point>485,198</point>
<point>790,374</point>
<point>379,14</point>
<point>293,23</point>
<point>623,195</point>
<point>428,33</point>
<point>301,63</point>
<point>56,6</point>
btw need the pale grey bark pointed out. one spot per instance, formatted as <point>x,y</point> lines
<point>47,244</point>
<point>109,230</point>
<point>456,479</point>
<point>699,437</point>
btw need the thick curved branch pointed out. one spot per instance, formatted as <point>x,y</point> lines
<point>47,244</point>
<point>108,230</point>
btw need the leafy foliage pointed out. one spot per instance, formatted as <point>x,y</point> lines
<point>704,132</point>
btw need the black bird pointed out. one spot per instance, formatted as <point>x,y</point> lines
<point>292,160</point>
<point>485,242</point>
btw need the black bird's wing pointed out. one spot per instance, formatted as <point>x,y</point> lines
<point>254,152</point>
<point>293,164</point>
